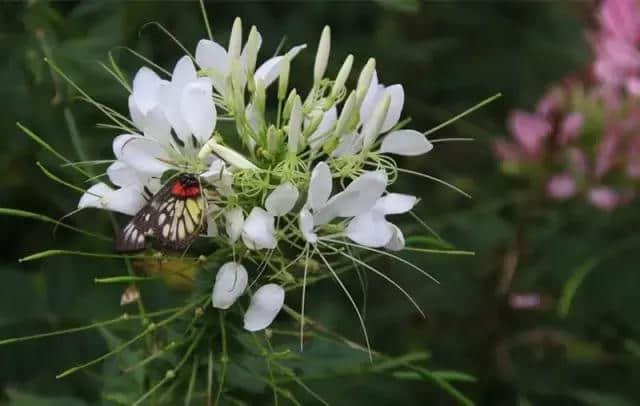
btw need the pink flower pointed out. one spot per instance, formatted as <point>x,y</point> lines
<point>577,160</point>
<point>607,199</point>
<point>570,128</point>
<point>606,152</point>
<point>550,102</point>
<point>633,86</point>
<point>507,151</point>
<point>620,18</point>
<point>633,158</point>
<point>529,130</point>
<point>561,187</point>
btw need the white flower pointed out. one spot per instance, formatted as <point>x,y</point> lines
<point>231,282</point>
<point>127,200</point>
<point>357,198</point>
<point>264,307</point>
<point>234,223</point>
<point>215,59</point>
<point>373,230</point>
<point>259,228</point>
<point>401,142</point>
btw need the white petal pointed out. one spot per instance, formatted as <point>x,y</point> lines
<point>136,115</point>
<point>140,153</point>
<point>269,71</point>
<point>364,191</point>
<point>405,142</point>
<point>211,55</point>
<point>282,199</point>
<point>198,109</point>
<point>350,144</point>
<point>146,84</point>
<point>253,118</point>
<point>128,200</point>
<point>370,229</point>
<point>234,223</point>
<point>396,243</point>
<point>184,72</point>
<point>395,107</point>
<point>231,281</point>
<point>305,222</point>
<point>264,307</point>
<point>214,173</point>
<point>319,186</point>
<point>156,126</point>
<point>170,101</point>
<point>374,93</point>
<point>395,203</point>
<point>259,228</point>
<point>121,174</point>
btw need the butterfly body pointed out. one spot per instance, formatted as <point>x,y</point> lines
<point>174,216</point>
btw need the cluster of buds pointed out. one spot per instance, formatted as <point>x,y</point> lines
<point>582,139</point>
<point>295,184</point>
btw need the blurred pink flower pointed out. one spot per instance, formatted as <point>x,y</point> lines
<point>550,102</point>
<point>561,187</point>
<point>620,18</point>
<point>633,86</point>
<point>507,151</point>
<point>578,160</point>
<point>606,153</point>
<point>606,198</point>
<point>529,130</point>
<point>570,128</point>
<point>633,158</point>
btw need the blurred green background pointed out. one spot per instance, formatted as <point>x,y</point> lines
<point>448,55</point>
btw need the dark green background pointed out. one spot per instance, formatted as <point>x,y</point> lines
<point>449,56</point>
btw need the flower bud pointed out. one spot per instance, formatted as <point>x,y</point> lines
<point>316,119</point>
<point>227,154</point>
<point>260,97</point>
<point>343,74</point>
<point>274,139</point>
<point>253,45</point>
<point>295,126</point>
<point>235,41</point>
<point>231,282</point>
<point>322,56</point>
<point>364,80</point>
<point>283,82</point>
<point>289,104</point>
<point>372,127</point>
<point>346,113</point>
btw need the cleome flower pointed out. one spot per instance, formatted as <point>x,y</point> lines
<point>286,185</point>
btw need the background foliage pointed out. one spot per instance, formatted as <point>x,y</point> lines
<point>449,56</point>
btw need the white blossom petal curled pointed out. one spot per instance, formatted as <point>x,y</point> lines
<point>319,186</point>
<point>231,282</point>
<point>370,229</point>
<point>365,190</point>
<point>198,109</point>
<point>121,174</point>
<point>282,199</point>
<point>269,71</point>
<point>259,229</point>
<point>405,142</point>
<point>127,200</point>
<point>213,56</point>
<point>395,107</point>
<point>184,72</point>
<point>396,243</point>
<point>146,85</point>
<point>395,203</point>
<point>305,222</point>
<point>234,223</point>
<point>264,307</point>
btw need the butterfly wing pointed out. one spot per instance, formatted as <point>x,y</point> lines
<point>133,236</point>
<point>179,221</point>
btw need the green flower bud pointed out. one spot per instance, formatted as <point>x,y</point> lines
<point>235,41</point>
<point>343,74</point>
<point>283,81</point>
<point>372,127</point>
<point>364,81</point>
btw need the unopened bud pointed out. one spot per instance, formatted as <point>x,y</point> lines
<point>343,74</point>
<point>289,104</point>
<point>345,115</point>
<point>283,82</point>
<point>364,80</point>
<point>322,55</point>
<point>295,126</point>
<point>235,41</point>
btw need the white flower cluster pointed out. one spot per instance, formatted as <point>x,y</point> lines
<point>332,138</point>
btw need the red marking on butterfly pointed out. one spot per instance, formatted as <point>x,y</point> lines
<point>185,189</point>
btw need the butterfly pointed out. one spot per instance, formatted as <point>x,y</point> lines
<point>174,216</point>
